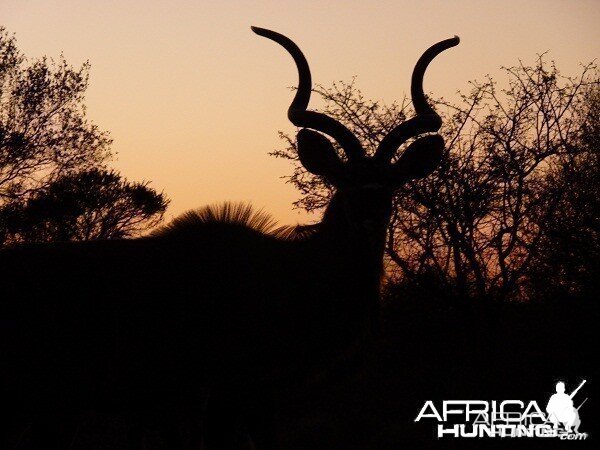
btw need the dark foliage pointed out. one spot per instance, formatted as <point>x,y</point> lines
<point>54,184</point>
<point>92,204</point>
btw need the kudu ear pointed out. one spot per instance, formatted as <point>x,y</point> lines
<point>420,159</point>
<point>318,156</point>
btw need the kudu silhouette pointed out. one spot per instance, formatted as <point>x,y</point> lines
<point>219,300</point>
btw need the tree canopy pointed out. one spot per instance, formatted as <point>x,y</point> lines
<point>54,179</point>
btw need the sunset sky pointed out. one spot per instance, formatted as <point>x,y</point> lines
<point>193,99</point>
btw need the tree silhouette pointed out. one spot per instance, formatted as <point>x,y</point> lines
<point>47,147</point>
<point>475,228</point>
<point>91,204</point>
<point>569,251</point>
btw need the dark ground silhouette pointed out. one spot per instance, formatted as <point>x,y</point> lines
<point>427,351</point>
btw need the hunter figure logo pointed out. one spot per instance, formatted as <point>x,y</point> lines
<point>508,418</point>
<point>560,409</point>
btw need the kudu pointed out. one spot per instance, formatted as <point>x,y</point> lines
<point>216,300</point>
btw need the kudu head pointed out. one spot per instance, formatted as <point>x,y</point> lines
<point>365,184</point>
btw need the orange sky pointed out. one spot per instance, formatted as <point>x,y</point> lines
<point>194,100</point>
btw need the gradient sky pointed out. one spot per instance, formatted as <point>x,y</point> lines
<point>194,100</point>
